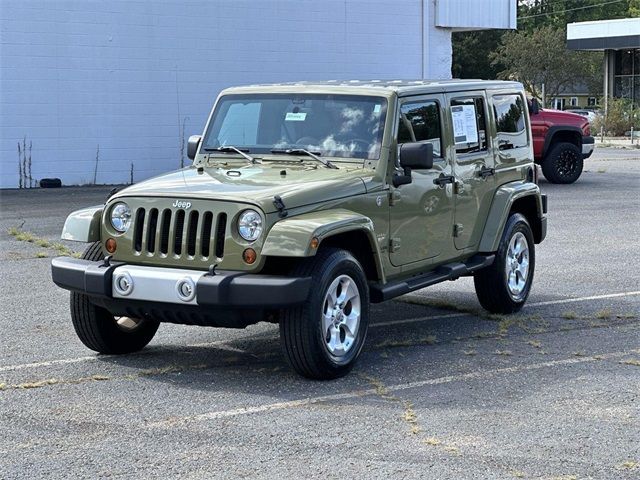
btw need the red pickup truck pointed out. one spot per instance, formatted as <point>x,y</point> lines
<point>561,141</point>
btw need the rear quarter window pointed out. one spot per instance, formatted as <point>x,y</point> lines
<point>511,126</point>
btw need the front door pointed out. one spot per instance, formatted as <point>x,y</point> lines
<point>473,168</point>
<point>421,214</point>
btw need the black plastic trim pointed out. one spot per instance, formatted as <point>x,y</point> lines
<point>225,288</point>
<point>555,129</point>
<point>450,271</point>
<point>544,203</point>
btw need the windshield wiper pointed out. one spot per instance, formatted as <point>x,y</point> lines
<point>232,149</point>
<point>302,151</point>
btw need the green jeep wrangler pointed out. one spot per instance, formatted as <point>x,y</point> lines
<point>306,202</point>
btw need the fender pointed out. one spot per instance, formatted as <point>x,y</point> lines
<point>503,199</point>
<point>559,128</point>
<point>291,237</point>
<point>83,225</point>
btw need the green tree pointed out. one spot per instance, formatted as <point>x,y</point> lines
<point>471,52</point>
<point>540,57</point>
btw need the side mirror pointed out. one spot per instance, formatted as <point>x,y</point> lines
<point>534,106</point>
<point>413,155</point>
<point>192,146</point>
<point>416,155</point>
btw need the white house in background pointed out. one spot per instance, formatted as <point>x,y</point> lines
<point>96,89</point>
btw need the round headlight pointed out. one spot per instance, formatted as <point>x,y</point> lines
<point>121,217</point>
<point>250,225</point>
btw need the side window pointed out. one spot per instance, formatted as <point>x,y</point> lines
<point>469,124</point>
<point>510,122</point>
<point>420,122</point>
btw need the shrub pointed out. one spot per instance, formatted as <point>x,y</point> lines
<point>620,117</point>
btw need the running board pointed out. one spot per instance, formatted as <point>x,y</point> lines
<point>450,271</point>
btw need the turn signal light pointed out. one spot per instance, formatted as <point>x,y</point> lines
<point>314,243</point>
<point>110,245</point>
<point>249,256</point>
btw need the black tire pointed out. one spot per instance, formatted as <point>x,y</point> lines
<point>563,163</point>
<point>492,282</point>
<point>301,328</point>
<point>98,329</point>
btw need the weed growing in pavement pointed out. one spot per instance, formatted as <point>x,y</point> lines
<point>569,315</point>
<point>631,361</point>
<point>603,314</point>
<point>24,236</point>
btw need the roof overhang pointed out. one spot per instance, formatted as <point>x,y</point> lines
<point>604,34</point>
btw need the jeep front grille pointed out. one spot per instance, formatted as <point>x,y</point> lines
<point>184,234</point>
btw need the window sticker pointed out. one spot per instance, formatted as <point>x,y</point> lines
<point>465,129</point>
<point>376,108</point>
<point>295,117</point>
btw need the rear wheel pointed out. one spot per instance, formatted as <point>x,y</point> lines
<point>563,163</point>
<point>323,337</point>
<point>101,331</point>
<point>504,286</point>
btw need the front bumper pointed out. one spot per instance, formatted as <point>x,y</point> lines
<point>160,286</point>
<point>588,145</point>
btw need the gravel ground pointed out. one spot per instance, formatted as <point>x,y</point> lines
<point>553,392</point>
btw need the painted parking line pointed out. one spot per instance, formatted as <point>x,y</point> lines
<point>528,305</point>
<point>91,358</point>
<point>477,375</point>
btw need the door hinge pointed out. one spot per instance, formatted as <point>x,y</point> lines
<point>458,228</point>
<point>394,197</point>
<point>394,245</point>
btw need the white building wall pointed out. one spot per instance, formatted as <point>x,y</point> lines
<point>135,78</point>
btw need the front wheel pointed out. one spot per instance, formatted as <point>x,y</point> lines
<point>504,286</point>
<point>323,337</point>
<point>101,331</point>
<point>563,164</point>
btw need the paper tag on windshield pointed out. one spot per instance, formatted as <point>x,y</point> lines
<point>465,129</point>
<point>295,117</point>
<point>376,108</point>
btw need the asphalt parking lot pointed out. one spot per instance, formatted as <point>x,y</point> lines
<point>441,391</point>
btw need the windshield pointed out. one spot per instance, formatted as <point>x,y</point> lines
<point>348,126</point>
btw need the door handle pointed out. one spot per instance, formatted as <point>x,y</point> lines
<point>486,172</point>
<point>443,179</point>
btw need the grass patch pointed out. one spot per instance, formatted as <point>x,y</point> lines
<point>434,442</point>
<point>28,237</point>
<point>631,361</point>
<point>504,353</point>
<point>603,314</point>
<point>570,315</point>
<point>629,465</point>
<point>534,343</point>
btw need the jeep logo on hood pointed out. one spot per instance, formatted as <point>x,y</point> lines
<point>181,204</point>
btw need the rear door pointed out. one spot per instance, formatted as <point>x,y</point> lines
<point>473,165</point>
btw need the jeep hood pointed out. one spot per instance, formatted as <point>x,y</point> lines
<point>297,185</point>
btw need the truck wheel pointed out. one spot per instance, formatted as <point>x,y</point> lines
<point>101,331</point>
<point>504,286</point>
<point>563,163</point>
<point>323,337</point>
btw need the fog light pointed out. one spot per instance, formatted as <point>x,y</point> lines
<point>123,284</point>
<point>110,245</point>
<point>249,256</point>
<point>186,289</point>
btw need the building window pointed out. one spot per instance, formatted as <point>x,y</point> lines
<point>592,101</point>
<point>558,103</point>
<point>626,81</point>
<point>574,101</point>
